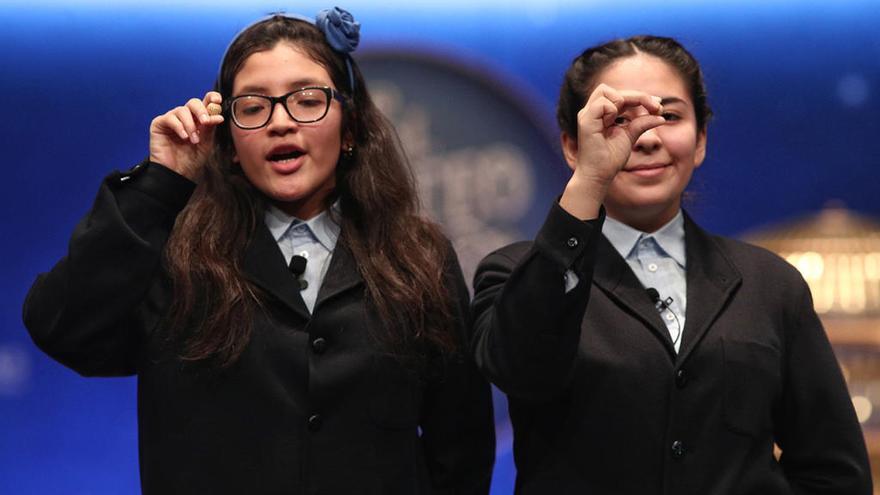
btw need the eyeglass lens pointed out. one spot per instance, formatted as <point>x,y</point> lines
<point>306,105</point>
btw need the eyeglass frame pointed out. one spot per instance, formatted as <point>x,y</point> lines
<point>331,94</point>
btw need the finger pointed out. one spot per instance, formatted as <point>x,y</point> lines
<point>603,91</point>
<point>610,112</point>
<point>624,99</point>
<point>186,117</point>
<point>653,104</point>
<point>199,110</point>
<point>170,122</point>
<point>598,114</point>
<point>642,124</point>
<point>212,97</point>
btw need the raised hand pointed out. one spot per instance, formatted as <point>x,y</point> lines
<point>182,138</point>
<point>609,124</point>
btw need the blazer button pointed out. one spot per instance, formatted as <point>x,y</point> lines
<point>315,422</point>
<point>572,242</point>
<point>677,449</point>
<point>319,345</point>
<point>681,378</point>
<point>133,171</point>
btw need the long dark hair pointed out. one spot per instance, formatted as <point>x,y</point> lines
<point>580,78</point>
<point>400,255</point>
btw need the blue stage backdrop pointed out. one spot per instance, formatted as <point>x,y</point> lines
<point>795,87</point>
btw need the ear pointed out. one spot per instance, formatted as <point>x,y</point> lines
<point>347,141</point>
<point>700,153</point>
<point>569,149</point>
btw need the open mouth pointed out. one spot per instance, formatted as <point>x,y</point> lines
<point>285,156</point>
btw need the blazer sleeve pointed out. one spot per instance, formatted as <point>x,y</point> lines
<point>458,425</point>
<point>91,310</point>
<point>526,325</point>
<point>823,450</point>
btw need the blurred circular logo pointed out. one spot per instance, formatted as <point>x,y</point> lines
<point>483,154</point>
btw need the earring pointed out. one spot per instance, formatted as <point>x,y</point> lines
<point>348,152</point>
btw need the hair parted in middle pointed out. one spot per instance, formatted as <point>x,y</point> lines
<point>581,76</point>
<point>401,255</point>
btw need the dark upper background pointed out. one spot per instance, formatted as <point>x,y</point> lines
<point>795,87</point>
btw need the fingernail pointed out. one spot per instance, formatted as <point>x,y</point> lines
<point>195,137</point>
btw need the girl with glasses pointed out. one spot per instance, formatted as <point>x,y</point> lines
<point>295,324</point>
<point>641,354</point>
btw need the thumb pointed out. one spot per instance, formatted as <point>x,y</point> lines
<point>641,124</point>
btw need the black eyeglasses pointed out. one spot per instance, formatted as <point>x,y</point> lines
<point>305,105</point>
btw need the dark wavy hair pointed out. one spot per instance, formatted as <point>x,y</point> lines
<point>400,255</point>
<point>581,77</point>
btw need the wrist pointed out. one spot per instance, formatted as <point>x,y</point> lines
<point>582,198</point>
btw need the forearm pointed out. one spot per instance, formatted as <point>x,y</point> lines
<point>83,312</point>
<point>526,324</point>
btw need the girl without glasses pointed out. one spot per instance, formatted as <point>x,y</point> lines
<point>641,354</point>
<point>295,325</point>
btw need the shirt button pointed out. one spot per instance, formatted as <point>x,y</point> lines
<point>652,267</point>
<point>677,449</point>
<point>319,345</point>
<point>315,422</point>
<point>669,316</point>
<point>681,378</point>
<point>572,242</point>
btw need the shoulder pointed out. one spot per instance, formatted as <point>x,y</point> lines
<point>752,259</point>
<point>762,272</point>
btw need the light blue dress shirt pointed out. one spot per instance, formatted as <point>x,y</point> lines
<point>658,261</point>
<point>314,240</point>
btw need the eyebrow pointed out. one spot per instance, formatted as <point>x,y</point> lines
<point>672,99</point>
<point>300,83</point>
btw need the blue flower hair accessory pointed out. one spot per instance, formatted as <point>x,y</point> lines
<point>343,34</point>
<point>342,31</point>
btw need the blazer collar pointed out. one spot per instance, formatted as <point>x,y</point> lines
<point>342,274</point>
<point>264,265</point>
<point>613,275</point>
<point>711,281</point>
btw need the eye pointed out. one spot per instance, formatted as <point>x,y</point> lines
<point>621,120</point>
<point>671,117</point>
<point>249,105</point>
<point>252,109</point>
<point>308,102</point>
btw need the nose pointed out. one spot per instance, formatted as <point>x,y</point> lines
<point>280,122</point>
<point>648,142</point>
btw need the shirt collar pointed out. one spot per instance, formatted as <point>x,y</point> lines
<point>670,237</point>
<point>323,226</point>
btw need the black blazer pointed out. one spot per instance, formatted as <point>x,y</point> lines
<point>601,403</point>
<point>313,406</point>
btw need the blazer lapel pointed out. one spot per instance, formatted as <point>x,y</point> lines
<point>264,265</point>
<point>712,280</point>
<point>342,274</point>
<point>613,275</point>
